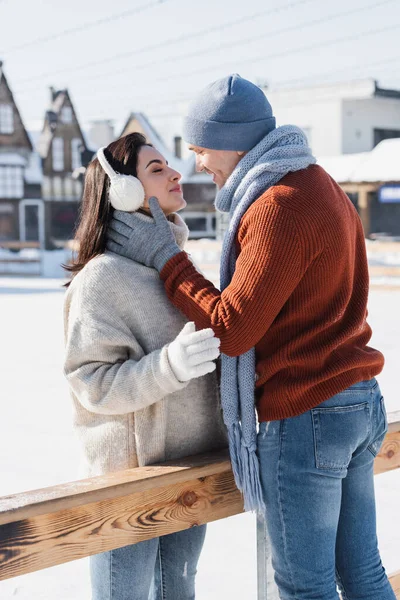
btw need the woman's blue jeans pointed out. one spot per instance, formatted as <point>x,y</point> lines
<point>318,484</point>
<point>159,569</point>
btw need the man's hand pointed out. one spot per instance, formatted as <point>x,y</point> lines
<point>149,243</point>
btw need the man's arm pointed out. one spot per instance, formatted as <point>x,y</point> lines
<point>269,267</point>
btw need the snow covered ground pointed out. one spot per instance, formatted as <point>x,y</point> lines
<point>37,446</point>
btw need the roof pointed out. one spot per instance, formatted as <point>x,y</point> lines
<point>386,92</point>
<point>342,167</point>
<point>51,119</point>
<point>382,164</point>
<point>4,81</point>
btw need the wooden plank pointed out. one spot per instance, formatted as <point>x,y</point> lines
<point>113,485</point>
<point>98,517</point>
<point>395,583</point>
<point>19,261</point>
<point>17,245</point>
<point>389,455</point>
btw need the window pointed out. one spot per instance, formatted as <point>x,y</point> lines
<point>196,223</point>
<point>46,187</point>
<point>385,134</point>
<point>68,188</point>
<point>66,114</point>
<point>11,182</point>
<point>201,224</point>
<point>78,189</point>
<point>6,119</point>
<point>76,161</point>
<point>58,154</point>
<point>57,187</point>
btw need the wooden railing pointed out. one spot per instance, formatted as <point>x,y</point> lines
<point>51,526</point>
<point>9,262</point>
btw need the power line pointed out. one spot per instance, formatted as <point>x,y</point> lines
<point>238,43</point>
<point>277,87</point>
<point>172,41</point>
<point>258,58</point>
<point>86,26</point>
<point>300,49</point>
<point>324,75</point>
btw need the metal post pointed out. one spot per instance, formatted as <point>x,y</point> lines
<point>266,587</point>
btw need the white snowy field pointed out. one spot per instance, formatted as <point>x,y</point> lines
<point>37,446</point>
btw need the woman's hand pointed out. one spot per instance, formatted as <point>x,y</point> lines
<point>192,352</point>
<point>150,243</point>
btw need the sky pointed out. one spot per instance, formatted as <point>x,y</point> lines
<point>155,55</point>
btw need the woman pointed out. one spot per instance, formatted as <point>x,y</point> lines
<point>143,381</point>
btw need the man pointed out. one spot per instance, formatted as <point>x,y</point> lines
<point>291,318</point>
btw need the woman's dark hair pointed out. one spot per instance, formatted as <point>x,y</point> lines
<point>96,211</point>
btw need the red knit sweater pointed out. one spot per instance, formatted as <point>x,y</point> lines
<point>299,295</point>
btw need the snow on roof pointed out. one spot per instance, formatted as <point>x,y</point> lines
<point>381,164</point>
<point>11,159</point>
<point>342,167</point>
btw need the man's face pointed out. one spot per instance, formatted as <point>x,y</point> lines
<point>218,163</point>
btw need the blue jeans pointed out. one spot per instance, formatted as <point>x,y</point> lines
<point>163,568</point>
<point>318,484</point>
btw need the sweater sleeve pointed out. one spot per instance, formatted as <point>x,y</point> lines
<point>268,269</point>
<point>99,363</point>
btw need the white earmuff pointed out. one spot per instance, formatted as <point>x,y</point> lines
<point>126,192</point>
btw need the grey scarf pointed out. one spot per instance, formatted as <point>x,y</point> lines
<point>281,151</point>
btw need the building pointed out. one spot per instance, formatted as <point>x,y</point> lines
<point>344,118</point>
<point>21,207</point>
<point>372,181</point>
<point>198,188</point>
<point>62,147</point>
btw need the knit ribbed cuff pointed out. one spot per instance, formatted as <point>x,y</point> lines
<point>164,374</point>
<point>165,254</point>
<point>240,137</point>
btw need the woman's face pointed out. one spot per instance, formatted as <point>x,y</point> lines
<point>159,180</point>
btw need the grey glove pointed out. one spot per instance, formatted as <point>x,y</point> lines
<point>150,243</point>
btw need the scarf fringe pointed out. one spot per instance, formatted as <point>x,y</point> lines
<point>235,442</point>
<point>252,490</point>
<point>246,470</point>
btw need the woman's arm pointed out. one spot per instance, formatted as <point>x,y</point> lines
<point>105,379</point>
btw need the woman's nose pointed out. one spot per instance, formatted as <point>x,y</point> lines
<point>175,176</point>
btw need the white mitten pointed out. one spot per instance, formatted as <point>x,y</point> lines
<point>192,352</point>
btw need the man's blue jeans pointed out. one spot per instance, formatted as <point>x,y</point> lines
<point>318,483</point>
<point>159,569</point>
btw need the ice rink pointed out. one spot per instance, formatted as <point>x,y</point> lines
<point>37,446</point>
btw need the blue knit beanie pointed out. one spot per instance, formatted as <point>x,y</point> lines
<point>229,114</point>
